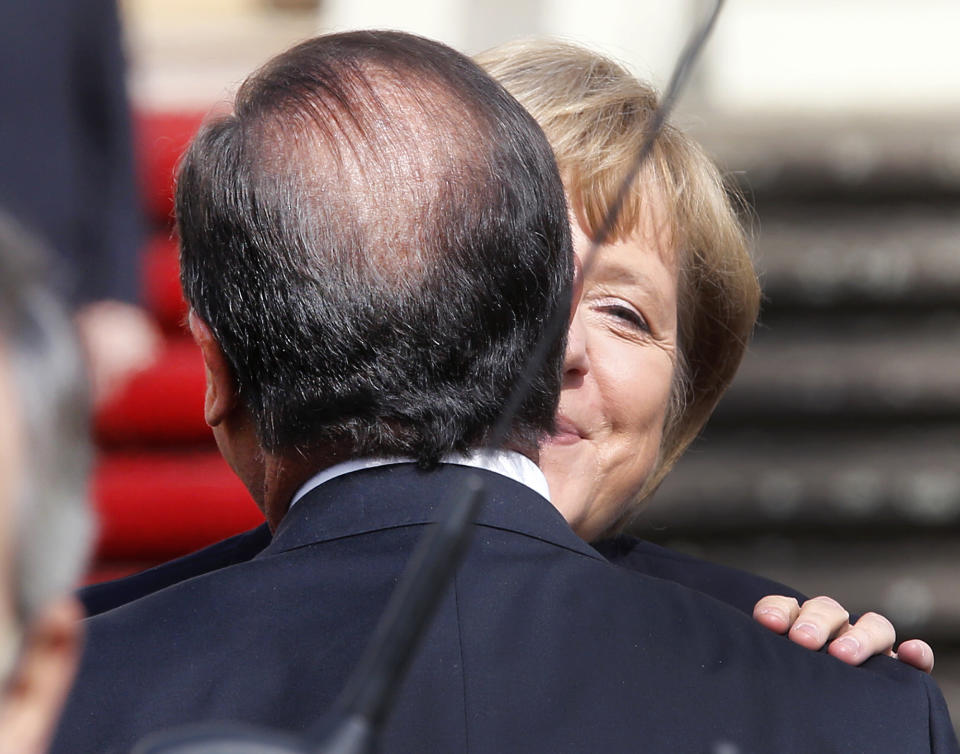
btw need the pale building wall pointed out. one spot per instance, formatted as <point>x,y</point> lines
<point>646,34</point>
<point>767,56</point>
<point>825,56</point>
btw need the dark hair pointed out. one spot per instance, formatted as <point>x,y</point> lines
<point>376,237</point>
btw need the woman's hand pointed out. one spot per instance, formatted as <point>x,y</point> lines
<point>823,619</point>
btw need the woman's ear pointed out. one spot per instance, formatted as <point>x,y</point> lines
<point>220,398</point>
<point>35,693</point>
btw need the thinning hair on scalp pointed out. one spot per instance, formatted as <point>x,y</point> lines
<point>596,115</point>
<point>377,236</point>
<point>52,520</point>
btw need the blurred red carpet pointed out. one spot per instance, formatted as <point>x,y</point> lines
<point>160,487</point>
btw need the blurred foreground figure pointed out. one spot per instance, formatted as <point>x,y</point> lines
<point>371,245</point>
<point>44,521</point>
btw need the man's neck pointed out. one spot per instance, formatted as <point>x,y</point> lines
<point>285,474</point>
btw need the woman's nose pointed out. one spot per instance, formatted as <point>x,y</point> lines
<point>577,286</point>
<point>576,361</point>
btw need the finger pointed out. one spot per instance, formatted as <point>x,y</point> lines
<point>871,635</point>
<point>776,612</point>
<point>917,653</point>
<point>820,619</point>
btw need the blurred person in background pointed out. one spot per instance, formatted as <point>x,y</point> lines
<point>67,172</point>
<point>45,525</point>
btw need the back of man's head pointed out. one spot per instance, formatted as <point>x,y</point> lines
<point>376,237</point>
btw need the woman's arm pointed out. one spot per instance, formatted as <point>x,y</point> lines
<point>812,623</point>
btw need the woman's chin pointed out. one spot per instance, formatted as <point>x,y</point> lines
<point>574,476</point>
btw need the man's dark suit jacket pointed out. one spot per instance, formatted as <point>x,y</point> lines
<point>539,645</point>
<point>737,588</point>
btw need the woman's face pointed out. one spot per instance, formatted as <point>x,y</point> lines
<point>617,380</point>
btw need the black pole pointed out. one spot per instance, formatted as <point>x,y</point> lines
<point>363,704</point>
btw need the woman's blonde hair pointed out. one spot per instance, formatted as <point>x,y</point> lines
<point>596,115</point>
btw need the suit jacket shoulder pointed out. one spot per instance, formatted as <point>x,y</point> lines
<point>98,598</point>
<point>737,588</point>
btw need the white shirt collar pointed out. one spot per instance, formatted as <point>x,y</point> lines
<point>507,463</point>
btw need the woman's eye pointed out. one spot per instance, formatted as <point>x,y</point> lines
<point>627,315</point>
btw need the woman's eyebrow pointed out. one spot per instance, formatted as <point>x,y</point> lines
<point>616,272</point>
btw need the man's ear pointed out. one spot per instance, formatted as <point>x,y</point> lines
<point>221,394</point>
<point>34,696</point>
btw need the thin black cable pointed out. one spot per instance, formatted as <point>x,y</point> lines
<point>365,701</point>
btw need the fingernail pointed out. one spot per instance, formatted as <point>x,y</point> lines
<point>847,645</point>
<point>806,629</point>
<point>773,612</point>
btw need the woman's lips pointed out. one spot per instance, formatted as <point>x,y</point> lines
<point>566,432</point>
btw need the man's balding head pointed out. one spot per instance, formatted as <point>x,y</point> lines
<point>376,237</point>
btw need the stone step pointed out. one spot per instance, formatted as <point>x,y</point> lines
<point>845,158</point>
<point>892,254</point>
<point>891,365</point>
<point>815,477</point>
